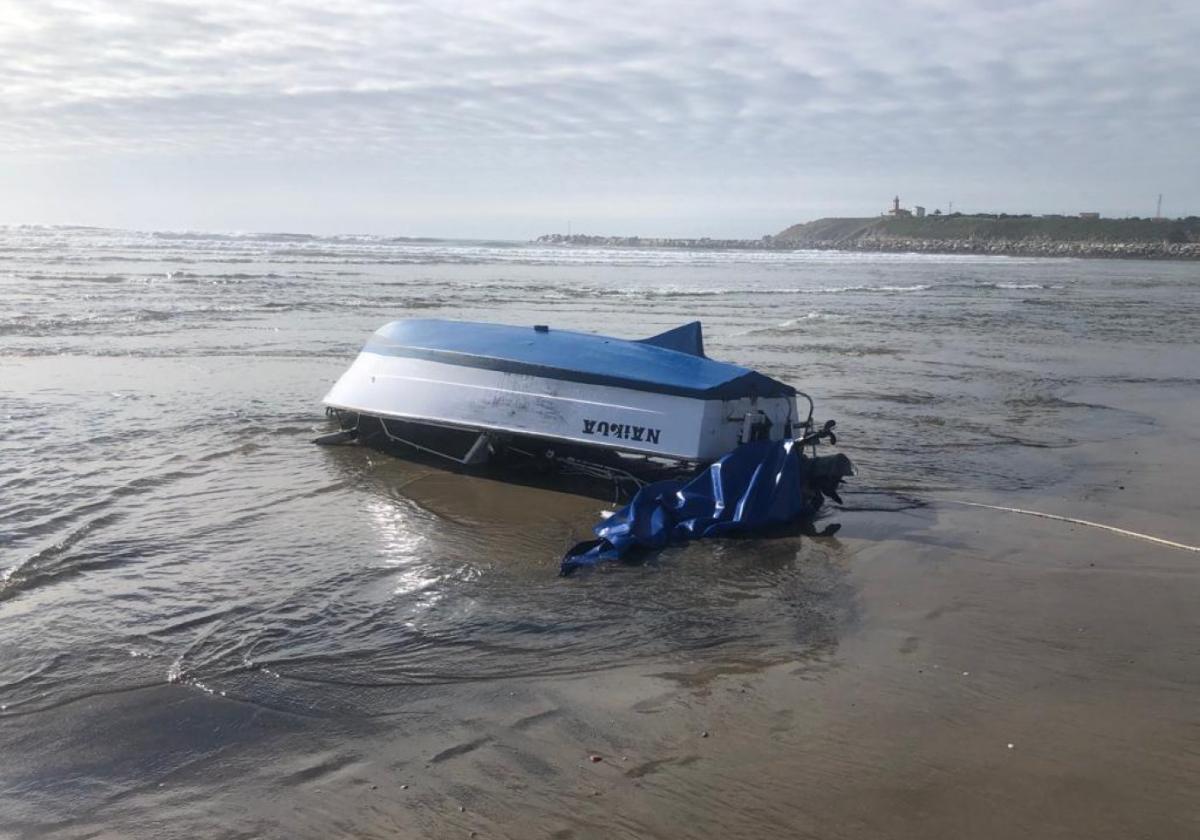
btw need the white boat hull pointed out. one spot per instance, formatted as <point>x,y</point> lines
<point>624,419</point>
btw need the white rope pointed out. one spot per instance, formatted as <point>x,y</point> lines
<point>1121,531</point>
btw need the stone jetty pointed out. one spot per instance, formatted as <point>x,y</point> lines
<point>999,235</point>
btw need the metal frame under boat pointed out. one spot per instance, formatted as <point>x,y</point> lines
<point>602,473</point>
<point>521,458</point>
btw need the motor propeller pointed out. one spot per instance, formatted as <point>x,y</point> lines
<point>824,433</point>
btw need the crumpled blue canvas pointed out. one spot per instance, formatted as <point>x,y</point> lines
<point>755,486</point>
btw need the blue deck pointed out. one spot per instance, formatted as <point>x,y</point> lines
<point>577,357</point>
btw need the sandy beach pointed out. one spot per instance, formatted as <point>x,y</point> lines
<point>960,672</point>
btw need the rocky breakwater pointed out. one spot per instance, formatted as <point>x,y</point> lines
<point>1003,235</point>
<point>700,243</point>
<point>1024,248</point>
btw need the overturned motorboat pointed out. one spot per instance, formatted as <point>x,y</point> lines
<point>493,395</point>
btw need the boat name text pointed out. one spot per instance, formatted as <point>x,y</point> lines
<point>621,430</point>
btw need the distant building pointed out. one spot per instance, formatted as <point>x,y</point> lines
<point>920,212</point>
<point>897,210</point>
<point>1089,215</point>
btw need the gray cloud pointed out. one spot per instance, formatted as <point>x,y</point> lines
<point>1054,101</point>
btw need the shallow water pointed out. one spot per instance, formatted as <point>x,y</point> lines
<point>165,520</point>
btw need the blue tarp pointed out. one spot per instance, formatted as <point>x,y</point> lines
<point>756,486</point>
<point>670,363</point>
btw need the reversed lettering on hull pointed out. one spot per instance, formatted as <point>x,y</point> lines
<point>624,431</point>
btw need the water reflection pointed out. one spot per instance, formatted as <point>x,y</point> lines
<point>477,560</point>
<point>401,545</point>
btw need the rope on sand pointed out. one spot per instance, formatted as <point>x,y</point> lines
<point>1121,531</point>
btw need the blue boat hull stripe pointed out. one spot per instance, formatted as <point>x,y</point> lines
<point>749,384</point>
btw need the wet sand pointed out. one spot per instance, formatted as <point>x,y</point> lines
<point>989,676</point>
<point>976,633</point>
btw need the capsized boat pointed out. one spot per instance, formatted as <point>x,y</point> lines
<point>473,393</point>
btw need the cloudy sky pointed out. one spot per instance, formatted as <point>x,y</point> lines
<point>507,118</point>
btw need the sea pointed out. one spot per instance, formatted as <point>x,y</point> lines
<point>192,591</point>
